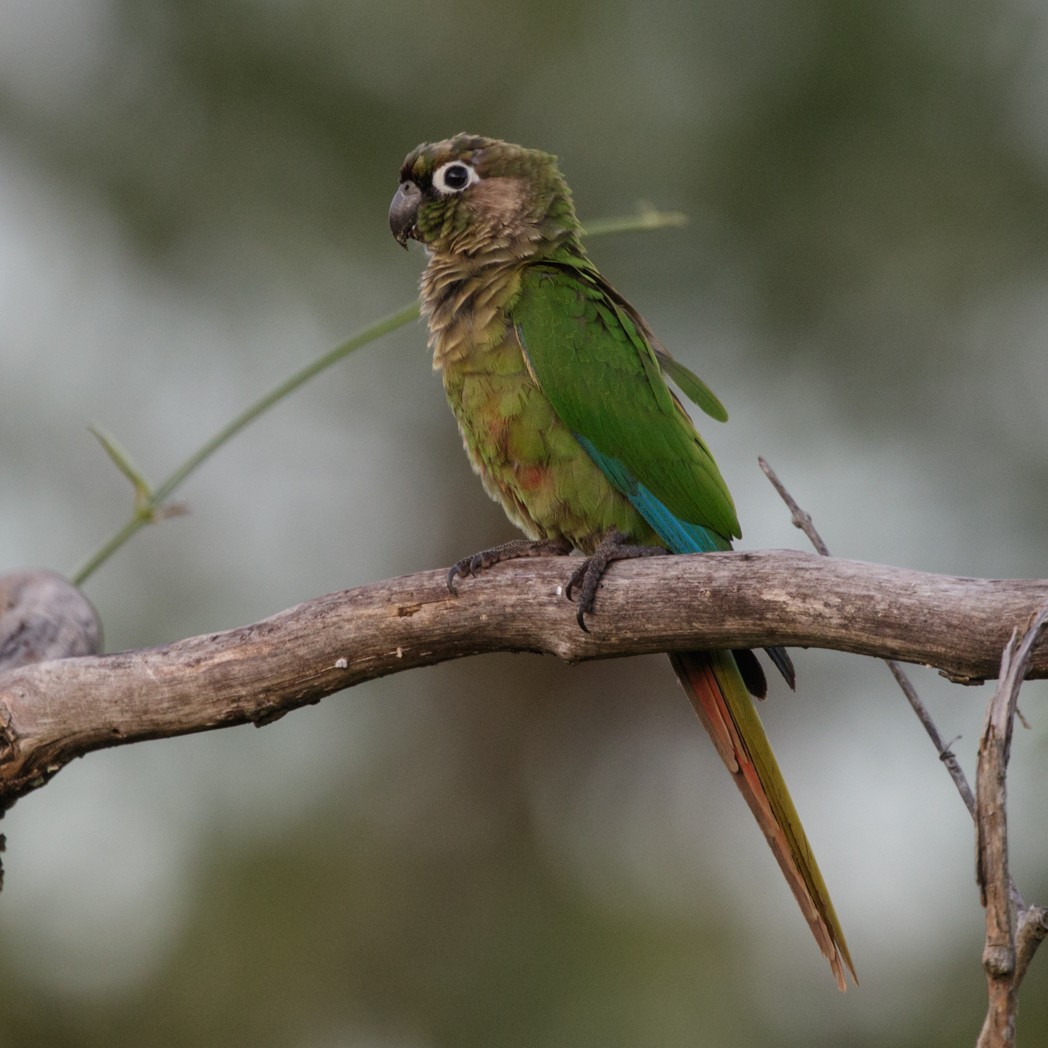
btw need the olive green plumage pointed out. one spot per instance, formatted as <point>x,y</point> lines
<point>508,280</point>
<point>559,389</point>
<point>635,418</point>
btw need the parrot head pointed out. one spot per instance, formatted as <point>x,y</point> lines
<point>477,196</point>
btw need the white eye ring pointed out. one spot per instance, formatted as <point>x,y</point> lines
<point>453,177</point>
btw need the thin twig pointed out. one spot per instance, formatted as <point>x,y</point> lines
<point>946,755</point>
<point>803,521</point>
<point>799,518</point>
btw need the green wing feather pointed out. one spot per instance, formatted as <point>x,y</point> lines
<point>691,385</point>
<point>686,380</point>
<point>597,362</point>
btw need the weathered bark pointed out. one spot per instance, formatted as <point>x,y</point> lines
<point>54,711</point>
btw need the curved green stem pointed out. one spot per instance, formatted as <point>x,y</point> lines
<point>288,386</point>
<point>645,218</point>
<point>150,504</point>
<point>150,509</point>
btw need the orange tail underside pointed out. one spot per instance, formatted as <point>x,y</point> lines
<point>717,692</point>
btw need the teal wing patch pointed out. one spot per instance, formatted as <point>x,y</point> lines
<point>677,535</point>
<point>595,360</point>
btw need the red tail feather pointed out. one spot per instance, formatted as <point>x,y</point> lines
<point>718,695</point>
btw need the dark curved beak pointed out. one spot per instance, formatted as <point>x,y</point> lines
<point>402,212</point>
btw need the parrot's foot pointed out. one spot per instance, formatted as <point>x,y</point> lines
<point>507,551</point>
<point>586,580</point>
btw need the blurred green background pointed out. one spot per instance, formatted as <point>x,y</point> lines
<point>506,850</point>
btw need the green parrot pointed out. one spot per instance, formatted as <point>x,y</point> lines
<point>559,389</point>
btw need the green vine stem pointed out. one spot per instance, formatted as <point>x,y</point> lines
<point>150,504</point>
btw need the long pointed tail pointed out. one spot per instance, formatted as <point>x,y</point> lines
<point>719,696</point>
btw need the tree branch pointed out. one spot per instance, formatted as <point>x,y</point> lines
<point>42,616</point>
<point>1005,910</point>
<point>55,711</point>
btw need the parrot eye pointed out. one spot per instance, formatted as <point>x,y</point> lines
<point>453,177</point>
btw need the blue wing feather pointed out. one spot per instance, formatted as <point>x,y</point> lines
<point>680,536</point>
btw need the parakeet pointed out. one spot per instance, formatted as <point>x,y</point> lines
<point>559,389</point>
